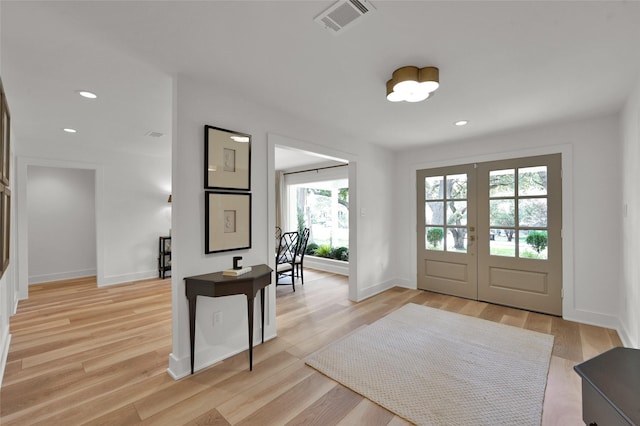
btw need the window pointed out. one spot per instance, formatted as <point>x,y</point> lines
<point>446,213</point>
<point>320,202</point>
<point>518,212</point>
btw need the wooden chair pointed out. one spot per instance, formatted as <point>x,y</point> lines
<point>278,236</point>
<point>286,257</point>
<point>302,248</point>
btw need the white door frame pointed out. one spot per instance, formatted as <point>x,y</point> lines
<point>274,140</point>
<point>568,301</point>
<point>22,240</point>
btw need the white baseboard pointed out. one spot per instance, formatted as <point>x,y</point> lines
<point>591,318</point>
<point>180,368</point>
<point>404,284</point>
<point>328,265</point>
<point>59,276</point>
<point>368,292</point>
<point>126,278</point>
<point>627,341</point>
<point>4,352</point>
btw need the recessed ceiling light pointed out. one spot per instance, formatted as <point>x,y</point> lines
<point>240,138</point>
<point>86,94</point>
<point>69,130</point>
<point>461,122</point>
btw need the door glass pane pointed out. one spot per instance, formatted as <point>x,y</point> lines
<point>532,181</point>
<point>502,183</point>
<point>434,213</point>
<point>457,213</point>
<point>502,213</point>
<point>532,212</point>
<point>457,187</point>
<point>533,244</point>
<point>502,242</point>
<point>434,237</point>
<point>456,240</point>
<point>434,188</point>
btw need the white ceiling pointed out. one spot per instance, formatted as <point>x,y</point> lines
<point>503,65</point>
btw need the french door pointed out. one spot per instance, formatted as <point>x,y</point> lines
<point>492,232</point>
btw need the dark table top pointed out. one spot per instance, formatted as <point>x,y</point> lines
<point>615,374</point>
<point>217,277</point>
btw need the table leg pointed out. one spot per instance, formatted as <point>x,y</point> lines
<point>250,315</point>
<point>262,310</point>
<point>192,327</point>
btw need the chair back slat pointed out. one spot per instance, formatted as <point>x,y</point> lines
<point>304,239</point>
<point>287,248</point>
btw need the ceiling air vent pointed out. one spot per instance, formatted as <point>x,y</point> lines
<point>344,14</point>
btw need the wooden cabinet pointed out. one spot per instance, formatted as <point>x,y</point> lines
<point>164,257</point>
<point>611,388</point>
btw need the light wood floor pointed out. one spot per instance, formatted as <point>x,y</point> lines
<point>83,355</point>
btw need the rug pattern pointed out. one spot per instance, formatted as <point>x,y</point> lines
<point>434,367</point>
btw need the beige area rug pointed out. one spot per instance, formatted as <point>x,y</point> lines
<point>435,367</point>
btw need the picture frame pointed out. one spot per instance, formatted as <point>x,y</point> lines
<point>227,159</point>
<point>3,122</point>
<point>6,145</point>
<point>5,208</point>
<point>227,221</point>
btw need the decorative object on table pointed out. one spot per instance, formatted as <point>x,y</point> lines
<point>237,262</point>
<point>164,257</point>
<point>5,191</point>
<point>227,221</point>
<point>227,159</point>
<point>434,367</point>
<point>236,272</point>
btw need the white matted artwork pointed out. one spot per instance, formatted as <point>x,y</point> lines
<point>227,157</point>
<point>227,221</point>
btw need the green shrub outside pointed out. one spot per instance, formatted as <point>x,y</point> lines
<point>434,236</point>
<point>537,240</point>
<point>328,252</point>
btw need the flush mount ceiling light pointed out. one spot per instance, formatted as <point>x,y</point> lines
<point>461,122</point>
<point>69,130</point>
<point>412,84</point>
<point>86,94</point>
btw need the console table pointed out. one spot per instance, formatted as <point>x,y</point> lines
<point>611,388</point>
<point>218,285</point>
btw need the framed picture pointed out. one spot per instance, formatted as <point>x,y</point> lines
<point>227,221</point>
<point>227,159</point>
<point>5,157</point>
<point>4,121</point>
<point>6,224</point>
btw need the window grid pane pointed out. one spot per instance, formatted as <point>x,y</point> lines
<point>510,228</point>
<point>446,213</point>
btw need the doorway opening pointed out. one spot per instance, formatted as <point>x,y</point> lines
<point>313,194</point>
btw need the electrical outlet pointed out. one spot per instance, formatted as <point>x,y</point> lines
<point>217,317</point>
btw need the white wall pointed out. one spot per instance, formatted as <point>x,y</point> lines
<point>592,191</point>
<point>62,223</point>
<point>630,289</point>
<point>199,104</point>
<point>8,293</point>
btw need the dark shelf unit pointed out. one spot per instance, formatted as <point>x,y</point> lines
<point>164,257</point>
